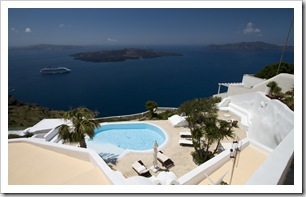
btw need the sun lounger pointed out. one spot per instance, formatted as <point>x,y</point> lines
<point>141,169</point>
<point>185,134</point>
<point>185,142</point>
<point>164,160</point>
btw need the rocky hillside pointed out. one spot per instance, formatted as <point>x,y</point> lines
<point>26,115</point>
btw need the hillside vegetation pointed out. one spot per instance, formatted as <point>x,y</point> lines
<point>270,70</point>
<point>22,115</point>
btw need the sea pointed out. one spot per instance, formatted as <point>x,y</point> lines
<point>120,88</point>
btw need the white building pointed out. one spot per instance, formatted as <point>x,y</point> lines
<point>253,84</point>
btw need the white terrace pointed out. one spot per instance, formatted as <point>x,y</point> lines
<point>270,131</point>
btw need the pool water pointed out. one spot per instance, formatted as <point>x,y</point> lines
<point>123,136</point>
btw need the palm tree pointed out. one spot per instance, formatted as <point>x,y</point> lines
<point>224,131</point>
<point>210,136</point>
<point>82,124</point>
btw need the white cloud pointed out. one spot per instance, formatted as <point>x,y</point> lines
<point>13,29</point>
<point>64,26</point>
<point>28,30</point>
<point>112,40</point>
<point>250,28</point>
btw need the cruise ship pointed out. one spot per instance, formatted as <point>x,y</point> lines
<point>50,70</point>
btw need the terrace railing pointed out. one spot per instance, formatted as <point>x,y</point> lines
<point>137,115</point>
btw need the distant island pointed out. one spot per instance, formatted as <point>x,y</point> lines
<point>248,46</point>
<point>120,55</point>
<point>45,47</point>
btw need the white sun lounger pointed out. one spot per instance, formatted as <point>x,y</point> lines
<point>185,142</point>
<point>185,134</point>
<point>140,168</point>
<point>165,160</point>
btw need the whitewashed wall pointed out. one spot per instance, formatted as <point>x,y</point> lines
<point>268,121</point>
<point>284,80</point>
<point>250,81</point>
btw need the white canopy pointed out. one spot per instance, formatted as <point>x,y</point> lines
<point>178,121</point>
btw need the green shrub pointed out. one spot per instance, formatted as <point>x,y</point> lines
<point>270,70</point>
<point>165,115</point>
<point>151,106</point>
<point>199,159</point>
<point>12,136</point>
<point>28,134</point>
<point>25,135</point>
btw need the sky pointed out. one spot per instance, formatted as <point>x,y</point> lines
<point>148,26</point>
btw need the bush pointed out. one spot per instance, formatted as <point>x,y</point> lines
<point>151,106</point>
<point>199,159</point>
<point>270,70</point>
<point>26,135</point>
<point>12,136</point>
<point>165,115</point>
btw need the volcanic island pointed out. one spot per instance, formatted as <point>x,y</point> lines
<point>120,55</point>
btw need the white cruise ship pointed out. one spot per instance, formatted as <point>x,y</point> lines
<point>51,70</point>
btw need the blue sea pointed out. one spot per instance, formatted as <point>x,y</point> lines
<point>119,88</point>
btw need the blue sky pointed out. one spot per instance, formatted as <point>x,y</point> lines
<point>145,26</point>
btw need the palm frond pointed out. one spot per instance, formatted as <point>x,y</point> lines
<point>64,133</point>
<point>83,124</point>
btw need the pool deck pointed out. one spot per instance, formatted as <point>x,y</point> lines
<point>180,155</point>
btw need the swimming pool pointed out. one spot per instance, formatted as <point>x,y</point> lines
<point>117,137</point>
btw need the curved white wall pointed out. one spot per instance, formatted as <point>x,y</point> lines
<point>249,81</point>
<point>253,84</point>
<point>284,80</point>
<point>272,124</point>
<point>268,121</point>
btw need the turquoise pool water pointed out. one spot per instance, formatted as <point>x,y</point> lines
<point>122,136</point>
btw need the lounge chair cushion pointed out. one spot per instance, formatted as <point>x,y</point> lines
<point>186,142</point>
<point>165,160</point>
<point>185,134</point>
<point>141,169</point>
<point>162,157</point>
